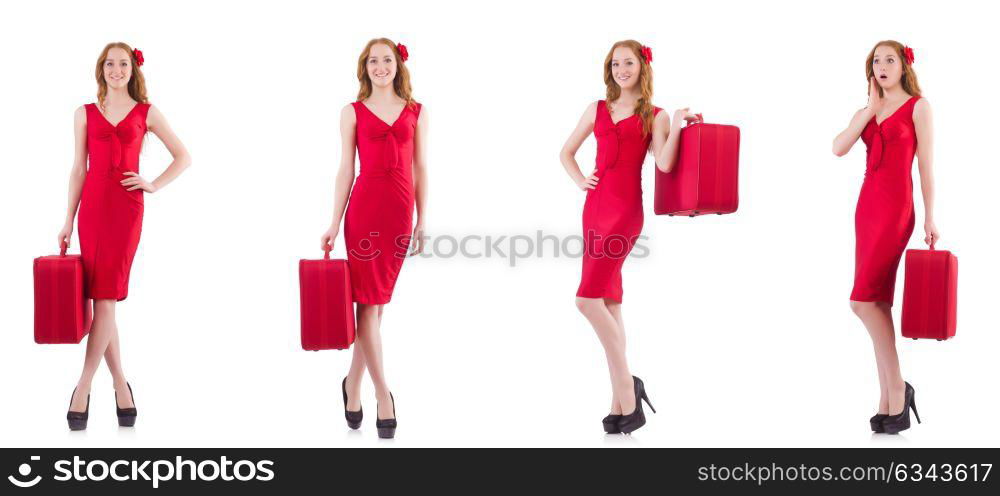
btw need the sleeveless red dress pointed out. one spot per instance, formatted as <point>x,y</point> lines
<point>378,223</point>
<point>612,213</point>
<point>883,221</point>
<point>110,218</point>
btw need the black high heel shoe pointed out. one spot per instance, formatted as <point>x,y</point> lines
<point>633,421</point>
<point>387,427</point>
<point>611,423</point>
<point>894,424</point>
<point>77,420</point>
<point>126,416</point>
<point>876,422</point>
<point>353,418</point>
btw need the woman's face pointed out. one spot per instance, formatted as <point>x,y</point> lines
<point>381,65</point>
<point>887,67</point>
<point>117,68</point>
<point>625,67</point>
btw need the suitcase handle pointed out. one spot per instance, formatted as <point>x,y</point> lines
<point>701,120</point>
<point>326,252</point>
<point>63,245</point>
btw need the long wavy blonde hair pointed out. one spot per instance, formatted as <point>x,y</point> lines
<point>909,78</point>
<point>136,84</point>
<point>644,106</point>
<point>400,84</point>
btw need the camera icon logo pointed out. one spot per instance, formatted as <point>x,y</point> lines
<point>25,470</point>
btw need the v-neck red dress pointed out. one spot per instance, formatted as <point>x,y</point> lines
<point>378,223</point>
<point>110,218</point>
<point>883,221</point>
<point>612,213</point>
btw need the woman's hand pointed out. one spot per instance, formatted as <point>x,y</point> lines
<point>417,241</point>
<point>589,182</point>
<point>330,237</point>
<point>135,181</point>
<point>932,235</point>
<point>875,100</point>
<point>684,114</point>
<point>66,234</point>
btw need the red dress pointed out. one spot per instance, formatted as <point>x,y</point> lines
<point>612,214</point>
<point>378,223</point>
<point>110,218</point>
<point>883,221</point>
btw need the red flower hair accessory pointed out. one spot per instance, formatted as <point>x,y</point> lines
<point>647,54</point>
<point>403,52</point>
<point>138,57</point>
<point>908,53</point>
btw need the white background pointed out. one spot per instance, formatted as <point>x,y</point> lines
<point>739,324</point>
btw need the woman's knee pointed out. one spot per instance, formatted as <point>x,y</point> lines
<point>862,308</point>
<point>587,306</point>
<point>366,312</point>
<point>104,306</point>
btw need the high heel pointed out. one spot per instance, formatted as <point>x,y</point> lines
<point>353,418</point>
<point>611,424</point>
<point>77,420</point>
<point>633,421</point>
<point>876,422</point>
<point>894,424</point>
<point>387,427</point>
<point>126,416</point>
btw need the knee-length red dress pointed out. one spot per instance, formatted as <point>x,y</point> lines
<point>110,218</point>
<point>612,213</point>
<point>378,223</point>
<point>883,221</point>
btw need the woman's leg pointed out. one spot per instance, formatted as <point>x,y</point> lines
<point>877,318</point>
<point>357,370</point>
<point>370,342</point>
<point>112,357</point>
<point>101,332</point>
<point>616,311</point>
<point>612,337</point>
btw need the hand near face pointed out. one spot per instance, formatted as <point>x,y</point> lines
<point>875,100</point>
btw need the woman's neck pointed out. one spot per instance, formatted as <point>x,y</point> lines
<point>629,96</point>
<point>896,93</point>
<point>384,94</point>
<point>116,96</point>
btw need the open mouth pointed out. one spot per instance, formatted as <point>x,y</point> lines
<point>883,77</point>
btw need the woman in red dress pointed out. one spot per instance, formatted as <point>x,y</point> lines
<point>106,187</point>
<point>627,126</point>
<point>895,126</point>
<point>388,129</point>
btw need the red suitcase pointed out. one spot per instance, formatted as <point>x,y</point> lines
<point>930,294</point>
<point>705,178</point>
<point>62,313</point>
<point>327,307</point>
